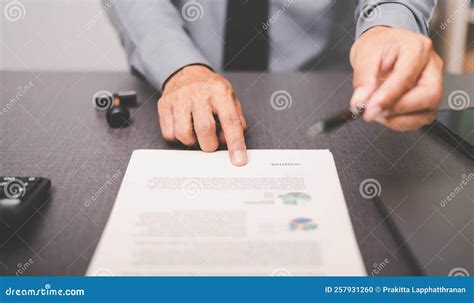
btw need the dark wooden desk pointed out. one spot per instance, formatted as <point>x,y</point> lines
<point>53,131</point>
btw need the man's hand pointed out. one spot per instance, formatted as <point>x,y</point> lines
<point>190,101</point>
<point>397,78</point>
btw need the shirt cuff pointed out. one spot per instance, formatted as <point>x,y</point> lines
<point>389,14</point>
<point>162,60</point>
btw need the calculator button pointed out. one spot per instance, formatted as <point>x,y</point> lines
<point>14,189</point>
<point>28,179</point>
<point>8,178</point>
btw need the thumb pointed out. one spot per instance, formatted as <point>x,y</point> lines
<point>365,78</point>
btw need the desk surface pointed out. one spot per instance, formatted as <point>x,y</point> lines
<point>52,130</point>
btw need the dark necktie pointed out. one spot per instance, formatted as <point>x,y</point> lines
<point>245,49</point>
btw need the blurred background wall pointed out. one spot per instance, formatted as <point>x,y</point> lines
<point>41,37</point>
<point>452,30</point>
<point>36,36</point>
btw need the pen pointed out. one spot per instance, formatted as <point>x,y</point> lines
<point>335,121</point>
<point>339,119</point>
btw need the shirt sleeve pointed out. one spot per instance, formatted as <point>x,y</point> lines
<point>412,15</point>
<point>154,38</point>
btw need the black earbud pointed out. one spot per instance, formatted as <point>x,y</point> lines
<point>116,106</point>
<point>118,114</point>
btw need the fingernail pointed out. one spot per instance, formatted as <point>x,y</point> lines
<point>359,96</point>
<point>239,157</point>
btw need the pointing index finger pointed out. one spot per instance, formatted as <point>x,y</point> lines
<point>233,132</point>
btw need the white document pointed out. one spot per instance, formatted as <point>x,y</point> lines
<point>193,213</point>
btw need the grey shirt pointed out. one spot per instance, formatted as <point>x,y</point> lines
<point>162,36</point>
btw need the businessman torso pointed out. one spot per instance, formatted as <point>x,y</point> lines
<point>162,36</point>
<point>303,35</point>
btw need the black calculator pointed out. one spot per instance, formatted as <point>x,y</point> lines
<point>19,199</point>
